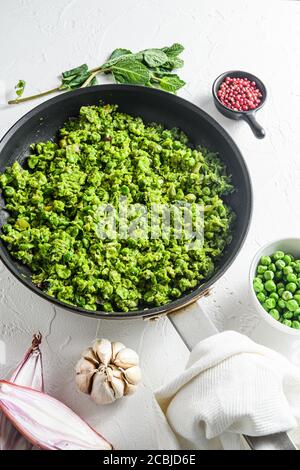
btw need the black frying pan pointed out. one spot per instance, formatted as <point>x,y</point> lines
<point>43,122</point>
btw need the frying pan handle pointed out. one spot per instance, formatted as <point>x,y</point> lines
<point>256,128</point>
<point>278,441</point>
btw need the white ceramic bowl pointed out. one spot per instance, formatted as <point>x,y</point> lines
<point>288,245</point>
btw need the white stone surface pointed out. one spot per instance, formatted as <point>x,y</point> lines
<point>41,38</point>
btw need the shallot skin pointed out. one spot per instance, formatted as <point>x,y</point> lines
<point>30,370</point>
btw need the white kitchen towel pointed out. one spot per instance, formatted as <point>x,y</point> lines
<point>231,386</point>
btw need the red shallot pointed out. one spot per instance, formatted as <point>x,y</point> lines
<point>46,422</point>
<point>28,416</point>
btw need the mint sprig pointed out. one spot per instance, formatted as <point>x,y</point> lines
<point>150,67</point>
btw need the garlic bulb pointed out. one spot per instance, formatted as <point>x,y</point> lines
<point>108,371</point>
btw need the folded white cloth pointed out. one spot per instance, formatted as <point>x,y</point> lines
<point>231,386</point>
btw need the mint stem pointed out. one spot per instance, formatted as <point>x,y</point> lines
<point>32,97</point>
<point>94,73</point>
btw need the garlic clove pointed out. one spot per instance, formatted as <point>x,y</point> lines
<point>84,382</point>
<point>84,366</point>
<point>118,387</point>
<point>109,374</point>
<point>116,372</point>
<point>84,370</point>
<point>116,347</point>
<point>102,348</point>
<point>133,375</point>
<point>90,356</point>
<point>130,389</point>
<point>102,393</point>
<point>126,358</point>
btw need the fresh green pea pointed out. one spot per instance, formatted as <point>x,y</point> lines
<point>291,286</point>
<point>280,291</point>
<point>257,286</point>
<point>280,264</point>
<point>278,255</point>
<point>272,267</point>
<point>287,295</point>
<point>280,285</point>
<point>287,270</point>
<point>278,275</point>
<point>287,259</point>
<point>297,266</point>
<point>291,277</point>
<point>281,303</point>
<point>296,324</point>
<point>288,315</point>
<point>268,275</point>
<point>297,298</point>
<point>265,260</point>
<point>261,269</point>
<point>274,313</point>
<point>270,286</point>
<point>261,297</point>
<point>274,295</point>
<point>287,323</point>
<point>269,304</point>
<point>292,305</point>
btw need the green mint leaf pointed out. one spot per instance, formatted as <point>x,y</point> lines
<point>173,51</point>
<point>76,81</point>
<point>20,87</point>
<point>74,78</point>
<point>76,71</point>
<point>178,63</point>
<point>169,66</point>
<point>115,60</point>
<point>118,79</point>
<point>175,63</point>
<point>171,83</point>
<point>130,71</point>
<point>155,57</point>
<point>117,53</point>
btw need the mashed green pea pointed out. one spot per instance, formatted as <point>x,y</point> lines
<point>100,158</point>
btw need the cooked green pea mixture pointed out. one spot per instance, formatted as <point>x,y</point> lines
<point>277,287</point>
<point>54,202</point>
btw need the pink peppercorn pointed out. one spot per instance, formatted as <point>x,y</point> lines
<point>239,94</point>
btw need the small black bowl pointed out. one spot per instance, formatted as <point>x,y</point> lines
<point>248,116</point>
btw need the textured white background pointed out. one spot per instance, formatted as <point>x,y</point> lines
<point>41,38</point>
